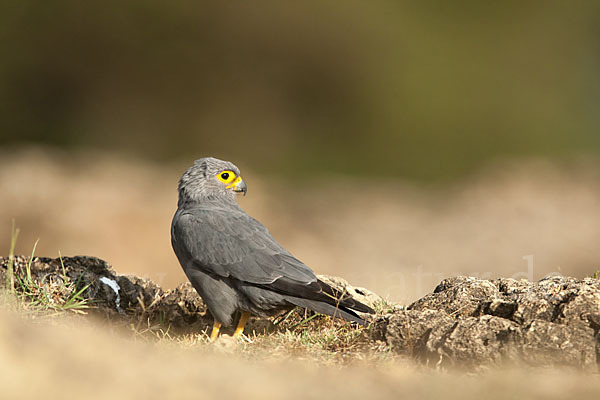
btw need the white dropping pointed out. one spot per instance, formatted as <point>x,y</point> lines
<point>115,287</point>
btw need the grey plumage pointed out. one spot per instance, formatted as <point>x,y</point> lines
<point>231,259</point>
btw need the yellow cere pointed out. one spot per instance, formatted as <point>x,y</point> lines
<point>237,180</point>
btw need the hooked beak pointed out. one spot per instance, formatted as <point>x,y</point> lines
<point>239,185</point>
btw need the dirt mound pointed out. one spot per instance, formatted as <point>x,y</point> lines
<point>478,323</point>
<point>119,297</point>
<point>465,321</point>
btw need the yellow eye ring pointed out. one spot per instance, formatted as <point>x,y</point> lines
<point>226,176</point>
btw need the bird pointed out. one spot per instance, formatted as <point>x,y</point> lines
<point>232,260</point>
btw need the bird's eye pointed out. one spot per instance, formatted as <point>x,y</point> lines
<point>226,176</point>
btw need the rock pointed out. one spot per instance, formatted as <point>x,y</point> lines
<point>418,333</point>
<point>549,343</point>
<point>583,305</point>
<point>363,295</point>
<point>480,341</point>
<point>460,296</point>
<point>555,321</point>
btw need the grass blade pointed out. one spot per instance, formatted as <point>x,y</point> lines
<point>10,273</point>
<point>30,261</point>
<point>62,264</point>
<point>303,322</point>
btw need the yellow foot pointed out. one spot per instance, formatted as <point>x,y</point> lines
<point>241,324</point>
<point>215,331</point>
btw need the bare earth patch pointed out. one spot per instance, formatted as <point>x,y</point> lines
<point>466,322</point>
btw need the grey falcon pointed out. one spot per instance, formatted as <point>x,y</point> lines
<point>232,260</point>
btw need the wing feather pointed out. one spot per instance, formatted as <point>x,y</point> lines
<point>230,243</point>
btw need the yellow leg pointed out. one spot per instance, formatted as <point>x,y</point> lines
<point>215,331</point>
<point>240,328</point>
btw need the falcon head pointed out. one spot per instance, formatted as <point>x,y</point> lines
<point>211,178</point>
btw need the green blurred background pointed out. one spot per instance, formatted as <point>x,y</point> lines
<point>421,90</point>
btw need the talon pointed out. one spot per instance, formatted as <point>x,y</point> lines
<point>215,331</point>
<point>241,324</point>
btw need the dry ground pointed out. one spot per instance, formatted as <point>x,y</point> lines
<point>396,238</point>
<point>399,239</point>
<point>69,358</point>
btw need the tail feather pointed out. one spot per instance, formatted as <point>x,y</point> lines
<point>320,297</point>
<point>317,291</point>
<point>327,309</point>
